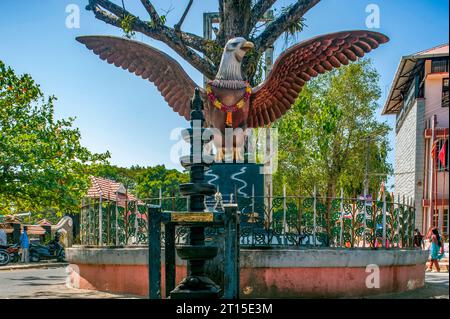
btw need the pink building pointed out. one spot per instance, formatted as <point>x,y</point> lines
<point>419,98</point>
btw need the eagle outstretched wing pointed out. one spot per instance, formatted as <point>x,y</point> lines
<point>297,65</point>
<point>172,81</point>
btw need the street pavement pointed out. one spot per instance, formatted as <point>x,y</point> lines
<point>436,287</point>
<point>49,282</point>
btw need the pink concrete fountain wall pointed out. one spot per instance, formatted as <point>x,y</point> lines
<point>319,273</point>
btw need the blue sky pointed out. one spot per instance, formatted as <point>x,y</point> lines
<point>126,115</point>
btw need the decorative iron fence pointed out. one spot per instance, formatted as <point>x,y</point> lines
<point>292,221</point>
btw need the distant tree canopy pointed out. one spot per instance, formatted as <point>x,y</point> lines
<point>43,166</point>
<point>323,139</point>
<point>145,182</point>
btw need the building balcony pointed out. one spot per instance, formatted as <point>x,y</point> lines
<point>438,202</point>
<point>440,133</point>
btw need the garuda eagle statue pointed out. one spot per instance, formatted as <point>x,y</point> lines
<point>231,102</point>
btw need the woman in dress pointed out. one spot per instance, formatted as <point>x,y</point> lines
<point>436,249</point>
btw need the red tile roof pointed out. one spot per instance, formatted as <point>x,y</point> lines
<point>443,48</point>
<point>110,190</point>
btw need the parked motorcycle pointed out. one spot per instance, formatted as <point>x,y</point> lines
<point>4,257</point>
<point>9,254</point>
<point>54,250</point>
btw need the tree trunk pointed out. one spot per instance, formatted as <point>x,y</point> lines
<point>237,19</point>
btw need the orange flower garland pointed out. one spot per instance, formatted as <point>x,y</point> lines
<point>229,109</point>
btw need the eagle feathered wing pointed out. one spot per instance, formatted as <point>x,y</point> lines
<point>172,81</point>
<point>303,61</point>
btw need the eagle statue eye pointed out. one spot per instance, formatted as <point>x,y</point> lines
<point>232,46</point>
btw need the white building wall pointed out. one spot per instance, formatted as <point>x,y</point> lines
<point>433,99</point>
<point>442,182</point>
<point>409,157</point>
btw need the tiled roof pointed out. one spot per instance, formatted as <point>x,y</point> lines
<point>31,230</point>
<point>443,48</point>
<point>35,230</point>
<point>44,222</point>
<point>109,190</point>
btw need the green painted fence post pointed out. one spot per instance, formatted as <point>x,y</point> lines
<point>232,238</point>
<point>154,252</point>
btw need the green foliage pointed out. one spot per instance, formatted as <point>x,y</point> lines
<point>323,138</point>
<point>294,28</point>
<point>253,67</point>
<point>214,51</point>
<point>127,26</point>
<point>163,19</point>
<point>150,180</point>
<point>124,175</point>
<point>145,182</point>
<point>43,167</point>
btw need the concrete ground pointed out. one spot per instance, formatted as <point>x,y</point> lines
<point>44,264</point>
<point>49,282</point>
<point>436,287</point>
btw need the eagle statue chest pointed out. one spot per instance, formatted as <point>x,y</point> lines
<point>217,116</point>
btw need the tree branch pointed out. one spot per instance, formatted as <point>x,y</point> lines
<point>177,26</point>
<point>259,9</point>
<point>105,16</point>
<point>220,35</point>
<point>194,41</point>
<point>151,11</point>
<point>277,27</point>
<point>158,32</point>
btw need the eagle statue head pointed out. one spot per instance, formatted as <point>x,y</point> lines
<point>233,54</point>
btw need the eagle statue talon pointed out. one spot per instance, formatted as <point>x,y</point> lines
<point>229,100</point>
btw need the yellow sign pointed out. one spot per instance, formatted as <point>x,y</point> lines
<point>191,217</point>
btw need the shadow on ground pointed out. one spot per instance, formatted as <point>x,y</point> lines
<point>436,287</point>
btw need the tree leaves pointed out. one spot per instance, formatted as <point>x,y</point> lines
<point>42,163</point>
<point>145,182</point>
<point>322,138</point>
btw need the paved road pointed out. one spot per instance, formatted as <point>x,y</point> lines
<point>436,287</point>
<point>50,283</point>
<point>42,283</point>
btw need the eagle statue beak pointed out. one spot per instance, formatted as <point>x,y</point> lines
<point>247,46</point>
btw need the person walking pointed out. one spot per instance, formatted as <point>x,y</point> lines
<point>25,245</point>
<point>436,249</point>
<point>418,239</point>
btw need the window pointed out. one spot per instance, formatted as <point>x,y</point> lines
<point>440,144</point>
<point>439,65</point>
<point>445,92</point>
<point>435,217</point>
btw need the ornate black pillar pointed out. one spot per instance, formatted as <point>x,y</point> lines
<point>196,284</point>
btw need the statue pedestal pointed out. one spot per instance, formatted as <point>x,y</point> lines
<point>236,181</point>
